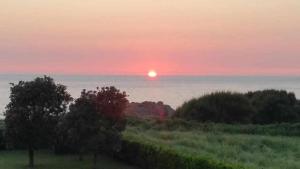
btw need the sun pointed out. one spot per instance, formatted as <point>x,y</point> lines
<point>152,74</point>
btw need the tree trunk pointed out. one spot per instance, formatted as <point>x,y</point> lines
<point>95,161</point>
<point>31,157</point>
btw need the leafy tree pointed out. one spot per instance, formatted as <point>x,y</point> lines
<point>220,107</point>
<point>82,122</point>
<point>96,119</point>
<point>110,105</point>
<point>33,112</point>
<point>274,106</point>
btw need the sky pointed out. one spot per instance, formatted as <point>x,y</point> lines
<point>173,37</point>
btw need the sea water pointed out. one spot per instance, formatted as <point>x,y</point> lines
<point>172,90</point>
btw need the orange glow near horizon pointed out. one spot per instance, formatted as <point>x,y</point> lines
<point>176,37</point>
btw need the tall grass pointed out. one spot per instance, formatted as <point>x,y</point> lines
<point>251,151</point>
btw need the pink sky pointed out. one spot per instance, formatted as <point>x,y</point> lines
<point>186,37</point>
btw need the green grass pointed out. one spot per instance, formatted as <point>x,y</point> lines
<point>47,160</point>
<point>251,151</point>
<point>284,129</point>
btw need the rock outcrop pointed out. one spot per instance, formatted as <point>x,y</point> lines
<point>149,109</point>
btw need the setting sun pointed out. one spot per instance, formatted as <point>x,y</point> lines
<point>152,73</point>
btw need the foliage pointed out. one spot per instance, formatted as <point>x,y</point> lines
<point>219,107</point>
<point>110,105</point>
<point>262,107</point>
<point>150,156</point>
<point>81,123</point>
<point>96,119</point>
<point>47,160</point>
<point>282,129</point>
<point>33,112</point>
<point>249,151</point>
<point>274,106</point>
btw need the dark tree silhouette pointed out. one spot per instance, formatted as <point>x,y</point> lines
<point>33,112</point>
<point>219,107</point>
<point>96,119</point>
<point>110,105</point>
<point>81,122</point>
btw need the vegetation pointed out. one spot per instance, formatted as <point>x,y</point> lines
<point>274,106</point>
<point>47,160</point>
<point>263,107</point>
<point>249,151</point>
<point>282,129</point>
<point>220,107</point>
<point>80,125</point>
<point>95,121</point>
<point>2,136</point>
<point>2,124</point>
<point>151,156</point>
<point>33,112</point>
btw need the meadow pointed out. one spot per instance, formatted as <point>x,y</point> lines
<point>251,151</point>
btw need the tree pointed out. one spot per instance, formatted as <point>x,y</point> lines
<point>96,119</point>
<point>33,112</point>
<point>81,122</point>
<point>110,105</point>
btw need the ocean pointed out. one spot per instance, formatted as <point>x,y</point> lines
<point>172,90</point>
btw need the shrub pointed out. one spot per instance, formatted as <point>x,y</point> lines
<point>220,107</point>
<point>148,156</point>
<point>274,106</point>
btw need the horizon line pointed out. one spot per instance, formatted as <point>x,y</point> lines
<point>145,75</point>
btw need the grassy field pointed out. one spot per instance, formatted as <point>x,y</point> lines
<point>251,151</point>
<point>46,160</point>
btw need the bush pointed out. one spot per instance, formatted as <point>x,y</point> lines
<point>274,106</point>
<point>149,156</point>
<point>220,107</point>
<point>261,107</point>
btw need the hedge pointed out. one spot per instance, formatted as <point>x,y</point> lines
<point>149,156</point>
